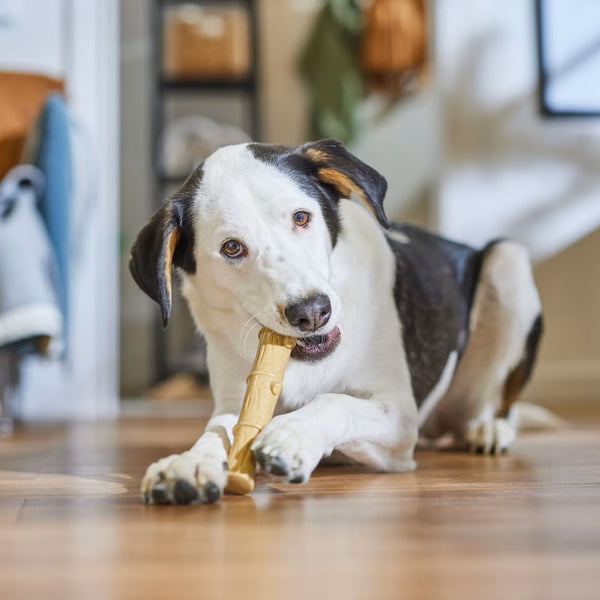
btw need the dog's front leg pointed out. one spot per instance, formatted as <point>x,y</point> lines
<point>199,475</point>
<point>196,476</point>
<point>381,433</point>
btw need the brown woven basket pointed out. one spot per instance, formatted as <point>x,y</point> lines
<point>394,39</point>
<point>201,42</point>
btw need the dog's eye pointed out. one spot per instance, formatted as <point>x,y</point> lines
<point>301,218</point>
<point>233,249</point>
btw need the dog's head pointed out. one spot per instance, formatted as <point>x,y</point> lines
<point>253,229</point>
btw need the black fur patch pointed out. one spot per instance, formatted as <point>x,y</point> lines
<point>531,347</point>
<point>369,184</point>
<point>311,167</point>
<point>434,290</point>
<point>148,262</point>
<point>304,173</point>
<point>182,202</point>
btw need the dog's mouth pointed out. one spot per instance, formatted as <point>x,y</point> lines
<point>316,347</point>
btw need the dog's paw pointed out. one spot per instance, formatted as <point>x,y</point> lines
<point>194,477</point>
<point>493,436</point>
<point>286,450</point>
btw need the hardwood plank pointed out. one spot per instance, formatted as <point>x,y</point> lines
<point>525,525</point>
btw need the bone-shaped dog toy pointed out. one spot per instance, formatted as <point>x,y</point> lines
<point>262,391</point>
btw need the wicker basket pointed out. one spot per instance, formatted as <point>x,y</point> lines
<point>206,42</point>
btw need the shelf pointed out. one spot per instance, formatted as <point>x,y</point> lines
<point>171,179</point>
<point>213,3</point>
<point>167,89</point>
<point>216,84</point>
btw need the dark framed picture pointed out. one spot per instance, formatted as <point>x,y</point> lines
<point>568,43</point>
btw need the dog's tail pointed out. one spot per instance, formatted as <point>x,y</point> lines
<point>533,417</point>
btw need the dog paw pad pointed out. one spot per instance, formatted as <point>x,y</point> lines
<point>184,492</point>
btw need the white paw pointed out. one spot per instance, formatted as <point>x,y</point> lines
<point>194,477</point>
<point>286,450</point>
<point>490,436</point>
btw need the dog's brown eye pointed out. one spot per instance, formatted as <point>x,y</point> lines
<point>233,249</point>
<point>301,218</point>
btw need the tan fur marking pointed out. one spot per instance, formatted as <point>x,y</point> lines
<point>344,185</point>
<point>170,246</point>
<point>317,155</point>
<point>512,386</point>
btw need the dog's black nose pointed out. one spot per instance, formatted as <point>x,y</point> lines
<point>309,314</point>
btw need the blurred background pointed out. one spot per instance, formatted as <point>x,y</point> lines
<point>482,115</point>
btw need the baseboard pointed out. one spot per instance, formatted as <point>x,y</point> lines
<point>555,381</point>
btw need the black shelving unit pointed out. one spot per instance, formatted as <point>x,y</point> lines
<point>163,88</point>
<point>208,85</point>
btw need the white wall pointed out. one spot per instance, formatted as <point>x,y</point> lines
<point>508,170</point>
<point>569,284</point>
<point>32,36</point>
<point>78,40</point>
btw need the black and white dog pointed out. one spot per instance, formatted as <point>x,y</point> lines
<point>400,332</point>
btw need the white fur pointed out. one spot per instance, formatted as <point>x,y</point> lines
<point>397,236</point>
<point>359,400</point>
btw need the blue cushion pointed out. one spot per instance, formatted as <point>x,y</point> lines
<point>54,160</point>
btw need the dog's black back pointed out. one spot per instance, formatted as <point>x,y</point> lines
<point>434,290</point>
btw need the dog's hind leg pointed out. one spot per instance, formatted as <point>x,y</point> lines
<point>504,332</point>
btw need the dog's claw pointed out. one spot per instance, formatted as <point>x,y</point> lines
<point>276,466</point>
<point>160,494</point>
<point>271,464</point>
<point>286,451</point>
<point>211,492</point>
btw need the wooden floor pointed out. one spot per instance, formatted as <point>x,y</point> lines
<point>522,526</point>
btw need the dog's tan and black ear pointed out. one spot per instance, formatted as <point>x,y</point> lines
<point>164,242</point>
<point>337,167</point>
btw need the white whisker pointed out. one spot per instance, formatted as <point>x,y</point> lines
<point>251,324</point>
<point>257,324</point>
<point>248,322</point>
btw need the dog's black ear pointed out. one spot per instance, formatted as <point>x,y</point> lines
<point>166,241</point>
<point>337,167</point>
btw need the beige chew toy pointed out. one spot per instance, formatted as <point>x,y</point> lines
<point>262,391</point>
